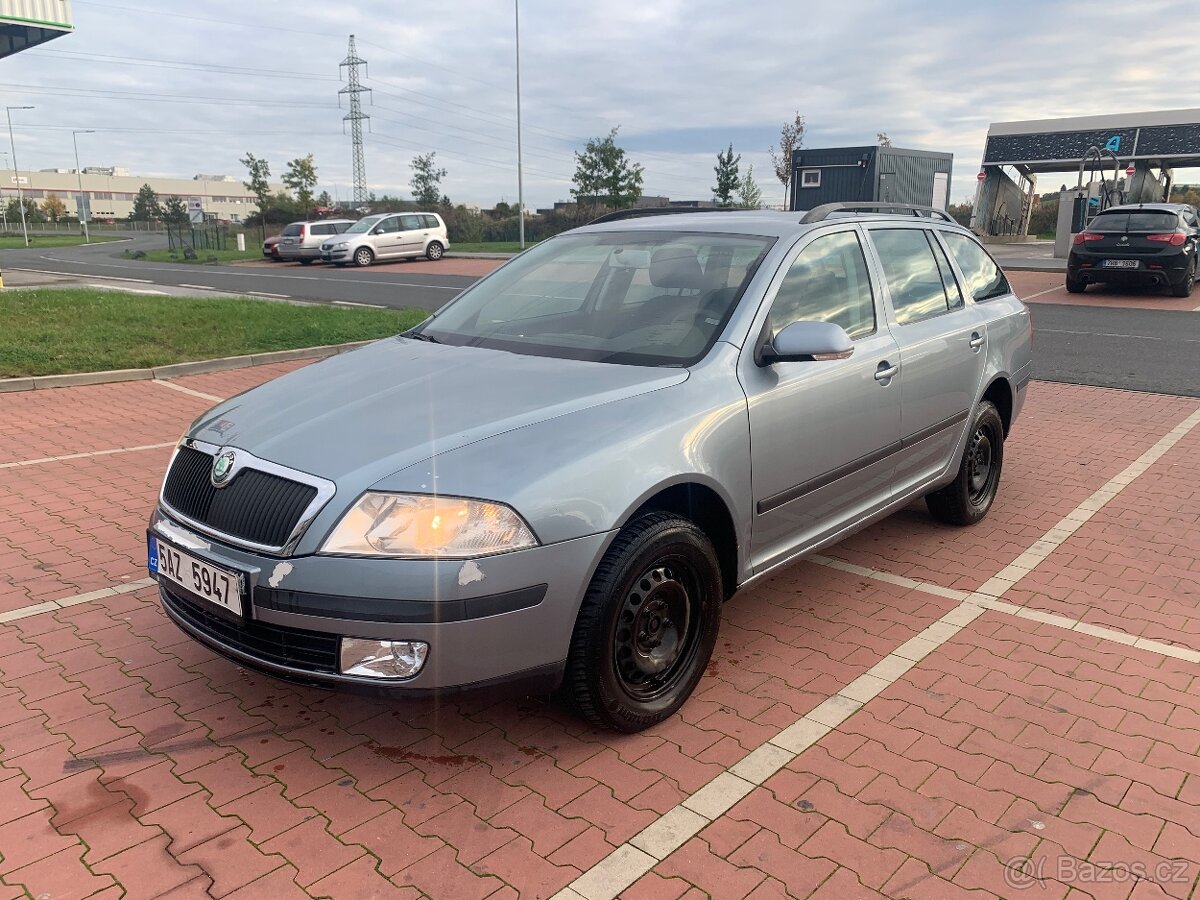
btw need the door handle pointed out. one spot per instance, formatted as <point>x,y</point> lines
<point>976,340</point>
<point>885,371</point>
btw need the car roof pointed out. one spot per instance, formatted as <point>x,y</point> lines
<point>762,222</point>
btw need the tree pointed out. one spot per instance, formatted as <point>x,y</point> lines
<point>426,181</point>
<point>883,139</point>
<point>324,200</point>
<point>145,205</point>
<point>749,195</point>
<point>13,212</point>
<point>301,177</point>
<point>727,176</point>
<point>603,172</point>
<point>53,207</point>
<point>791,139</point>
<point>259,171</point>
<point>175,211</point>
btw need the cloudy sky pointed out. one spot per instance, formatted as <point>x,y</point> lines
<point>176,93</point>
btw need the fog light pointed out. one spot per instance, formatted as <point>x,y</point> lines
<point>382,659</point>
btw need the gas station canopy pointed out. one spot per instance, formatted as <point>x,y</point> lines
<point>27,23</point>
<point>1166,137</point>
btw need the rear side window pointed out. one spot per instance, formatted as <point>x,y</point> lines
<point>828,282</point>
<point>913,277</point>
<point>339,227</point>
<point>985,281</point>
<point>431,222</point>
<point>322,229</point>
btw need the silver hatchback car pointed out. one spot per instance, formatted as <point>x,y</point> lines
<point>557,479</point>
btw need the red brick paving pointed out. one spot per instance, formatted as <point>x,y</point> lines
<point>132,759</point>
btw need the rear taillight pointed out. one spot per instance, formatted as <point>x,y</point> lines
<point>303,228</point>
<point>1175,238</point>
<point>1085,236</point>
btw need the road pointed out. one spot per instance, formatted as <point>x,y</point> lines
<point>1120,347</point>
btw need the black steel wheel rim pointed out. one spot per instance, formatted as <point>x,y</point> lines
<point>657,629</point>
<point>981,464</point>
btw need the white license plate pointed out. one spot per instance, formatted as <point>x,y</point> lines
<point>1120,264</point>
<point>209,582</point>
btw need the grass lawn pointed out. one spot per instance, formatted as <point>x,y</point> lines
<point>17,242</point>
<point>51,331</point>
<point>253,251</point>
<point>493,247</point>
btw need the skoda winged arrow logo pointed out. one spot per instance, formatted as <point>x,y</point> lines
<point>222,467</point>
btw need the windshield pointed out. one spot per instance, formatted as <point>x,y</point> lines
<point>651,298</point>
<point>364,225</point>
<point>1145,220</point>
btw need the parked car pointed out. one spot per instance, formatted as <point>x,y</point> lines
<point>1149,244</point>
<point>559,477</point>
<point>302,240</point>
<point>270,247</point>
<point>388,236</point>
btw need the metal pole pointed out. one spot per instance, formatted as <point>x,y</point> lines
<point>520,180</point>
<point>83,204</point>
<point>17,171</point>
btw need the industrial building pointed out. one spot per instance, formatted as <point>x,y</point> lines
<point>874,174</point>
<point>27,23</point>
<point>111,191</point>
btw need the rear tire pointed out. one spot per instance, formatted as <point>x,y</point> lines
<point>306,262</point>
<point>647,625</point>
<point>1076,285</point>
<point>434,251</point>
<point>363,257</point>
<point>967,499</point>
<point>1184,288</point>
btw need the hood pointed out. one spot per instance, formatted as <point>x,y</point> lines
<point>357,417</point>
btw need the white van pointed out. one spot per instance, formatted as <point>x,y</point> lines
<point>388,236</point>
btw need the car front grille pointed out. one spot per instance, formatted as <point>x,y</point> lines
<point>295,648</point>
<point>254,506</point>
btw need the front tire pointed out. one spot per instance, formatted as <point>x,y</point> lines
<point>1076,285</point>
<point>967,499</point>
<point>647,625</point>
<point>305,262</point>
<point>363,257</point>
<point>434,251</point>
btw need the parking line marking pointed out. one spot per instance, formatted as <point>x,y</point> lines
<point>1046,291</point>
<point>185,390</point>
<point>268,294</point>
<point>74,600</point>
<point>352,303</point>
<point>199,287</point>
<point>46,459</point>
<point>128,290</point>
<point>641,853</point>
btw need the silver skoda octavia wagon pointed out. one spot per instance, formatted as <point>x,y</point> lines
<point>557,479</point>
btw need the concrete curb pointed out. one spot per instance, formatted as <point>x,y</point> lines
<point>451,254</point>
<point>176,370</point>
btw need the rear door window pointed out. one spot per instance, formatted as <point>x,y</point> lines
<point>913,277</point>
<point>410,223</point>
<point>322,229</point>
<point>985,281</point>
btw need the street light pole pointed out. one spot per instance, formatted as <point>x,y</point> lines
<point>520,181</point>
<point>84,206</point>
<point>17,171</point>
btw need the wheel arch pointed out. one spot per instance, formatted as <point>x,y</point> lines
<point>703,504</point>
<point>1000,393</point>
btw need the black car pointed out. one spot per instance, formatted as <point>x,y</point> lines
<point>1151,244</point>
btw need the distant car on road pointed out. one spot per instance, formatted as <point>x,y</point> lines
<point>559,477</point>
<point>1149,244</point>
<point>388,236</point>
<point>270,247</point>
<point>302,240</point>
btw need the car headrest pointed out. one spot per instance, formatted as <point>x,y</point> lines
<point>676,267</point>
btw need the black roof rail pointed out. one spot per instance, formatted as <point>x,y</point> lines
<point>823,212</point>
<point>638,213</point>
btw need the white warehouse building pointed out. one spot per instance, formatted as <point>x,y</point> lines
<point>111,191</point>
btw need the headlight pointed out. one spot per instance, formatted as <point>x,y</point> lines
<point>423,526</point>
<point>340,244</point>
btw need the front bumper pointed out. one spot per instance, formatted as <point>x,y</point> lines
<point>500,619</point>
<point>334,255</point>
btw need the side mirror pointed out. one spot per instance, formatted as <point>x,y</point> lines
<point>807,341</point>
<point>378,229</point>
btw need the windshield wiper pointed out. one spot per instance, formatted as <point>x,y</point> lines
<point>420,336</point>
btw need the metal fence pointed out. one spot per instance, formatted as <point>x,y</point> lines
<point>198,237</point>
